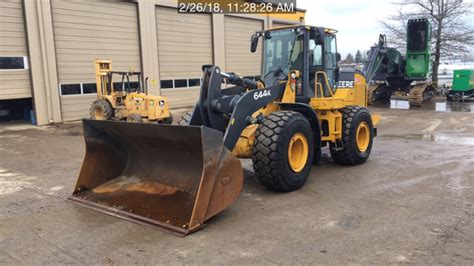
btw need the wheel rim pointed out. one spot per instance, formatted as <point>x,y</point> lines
<point>298,151</point>
<point>99,114</point>
<point>363,136</point>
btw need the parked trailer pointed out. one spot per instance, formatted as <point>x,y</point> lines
<point>463,85</point>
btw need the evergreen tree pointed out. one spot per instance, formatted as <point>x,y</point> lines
<point>349,59</point>
<point>358,57</point>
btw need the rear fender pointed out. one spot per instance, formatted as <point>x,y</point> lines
<point>111,100</point>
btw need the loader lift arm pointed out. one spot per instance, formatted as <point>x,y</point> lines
<point>230,110</point>
<point>374,58</point>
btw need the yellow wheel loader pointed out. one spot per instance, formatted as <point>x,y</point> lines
<point>126,100</point>
<point>177,177</point>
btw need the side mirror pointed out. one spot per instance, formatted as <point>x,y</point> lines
<point>336,74</point>
<point>254,43</point>
<point>338,57</point>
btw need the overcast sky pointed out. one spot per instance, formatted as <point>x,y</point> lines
<point>356,20</point>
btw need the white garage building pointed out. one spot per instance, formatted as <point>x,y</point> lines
<point>48,48</point>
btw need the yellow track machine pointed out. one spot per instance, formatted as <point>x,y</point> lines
<point>126,100</point>
<point>178,176</point>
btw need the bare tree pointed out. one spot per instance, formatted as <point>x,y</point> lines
<point>452,34</point>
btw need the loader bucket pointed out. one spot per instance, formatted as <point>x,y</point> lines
<point>173,177</point>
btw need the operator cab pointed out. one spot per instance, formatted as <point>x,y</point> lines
<point>306,49</point>
<point>130,82</point>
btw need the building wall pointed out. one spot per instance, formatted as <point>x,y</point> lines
<point>65,36</point>
<point>184,45</point>
<point>89,30</point>
<point>238,57</point>
<point>14,83</point>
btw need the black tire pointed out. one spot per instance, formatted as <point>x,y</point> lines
<point>185,119</point>
<point>168,120</point>
<point>101,110</point>
<point>449,98</point>
<point>352,117</point>
<point>270,151</point>
<point>134,118</point>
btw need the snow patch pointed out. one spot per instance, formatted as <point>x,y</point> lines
<point>56,188</point>
<point>12,182</point>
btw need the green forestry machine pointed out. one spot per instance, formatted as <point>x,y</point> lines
<point>392,75</point>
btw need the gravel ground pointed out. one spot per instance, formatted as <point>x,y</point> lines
<point>412,202</point>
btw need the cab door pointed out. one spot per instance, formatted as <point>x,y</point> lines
<point>330,59</point>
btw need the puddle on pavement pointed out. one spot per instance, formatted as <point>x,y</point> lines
<point>434,105</point>
<point>440,138</point>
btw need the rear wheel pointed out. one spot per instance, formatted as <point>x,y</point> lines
<point>168,120</point>
<point>372,92</point>
<point>134,118</point>
<point>357,137</point>
<point>283,151</point>
<point>449,98</point>
<point>185,119</point>
<point>101,110</point>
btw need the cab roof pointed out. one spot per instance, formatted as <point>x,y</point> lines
<point>308,27</point>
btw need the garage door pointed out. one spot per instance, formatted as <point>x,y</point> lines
<point>238,57</point>
<point>14,73</point>
<point>184,45</point>
<point>89,30</point>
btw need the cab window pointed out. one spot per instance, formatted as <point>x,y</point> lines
<point>330,58</point>
<point>316,51</point>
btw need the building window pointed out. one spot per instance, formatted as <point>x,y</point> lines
<point>77,89</point>
<point>180,83</point>
<point>166,84</point>
<point>89,88</point>
<point>134,85</point>
<point>117,86</point>
<point>13,62</point>
<point>194,82</point>
<point>70,89</point>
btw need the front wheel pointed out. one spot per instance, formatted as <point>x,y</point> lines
<point>357,137</point>
<point>134,118</point>
<point>185,119</point>
<point>167,120</point>
<point>283,151</point>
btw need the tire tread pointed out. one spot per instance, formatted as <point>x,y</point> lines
<point>185,119</point>
<point>105,105</point>
<point>348,155</point>
<point>266,154</point>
